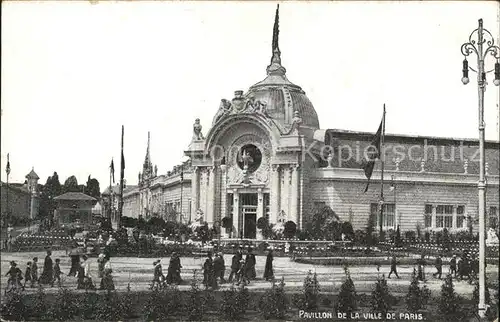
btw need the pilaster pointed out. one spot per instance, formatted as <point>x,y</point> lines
<point>236,214</point>
<point>294,173</point>
<point>275,193</point>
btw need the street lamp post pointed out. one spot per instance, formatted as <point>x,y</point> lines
<point>475,45</point>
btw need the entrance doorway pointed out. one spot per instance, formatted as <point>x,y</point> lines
<point>249,212</point>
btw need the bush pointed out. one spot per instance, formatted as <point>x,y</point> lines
<point>308,300</point>
<point>108,308</point>
<point>65,306</point>
<point>449,301</point>
<point>126,304</point>
<point>90,305</point>
<point>227,222</point>
<point>14,308</point>
<point>196,302</point>
<point>347,230</point>
<point>155,308</point>
<point>39,309</point>
<point>347,302</point>
<point>381,300</point>
<point>234,303</point>
<point>410,235</point>
<point>273,303</point>
<point>417,297</point>
<point>290,229</point>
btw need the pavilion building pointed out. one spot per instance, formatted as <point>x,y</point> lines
<point>265,155</point>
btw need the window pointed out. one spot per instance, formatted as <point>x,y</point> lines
<point>444,216</point>
<point>493,217</point>
<point>388,215</point>
<point>428,216</point>
<point>460,216</point>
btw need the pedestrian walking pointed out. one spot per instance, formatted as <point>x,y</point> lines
<point>34,272</point>
<point>250,265</point>
<point>439,267</point>
<point>100,265</point>
<point>15,277</point>
<point>393,267</point>
<point>421,268</point>
<point>174,269</point>
<point>208,273</point>
<point>453,266</point>
<point>158,277</point>
<point>219,267</point>
<point>268,269</point>
<point>48,272</point>
<point>57,272</point>
<point>27,275</point>
<point>242,276</point>
<point>235,266</point>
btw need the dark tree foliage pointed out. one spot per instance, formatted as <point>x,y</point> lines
<point>290,229</point>
<point>397,238</point>
<point>381,299</point>
<point>309,297</point>
<point>92,188</point>
<point>227,222</point>
<point>13,307</point>
<point>234,303</point>
<point>347,302</point>
<point>321,224</point>
<point>65,306</point>
<point>348,230</point>
<point>273,304</point>
<point>71,185</point>
<point>417,298</point>
<point>449,301</point>
<point>155,225</point>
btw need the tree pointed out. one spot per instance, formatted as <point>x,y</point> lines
<point>449,301</point>
<point>274,304</point>
<point>417,297</point>
<point>347,230</point>
<point>323,219</point>
<point>92,188</point>
<point>397,239</point>
<point>48,192</point>
<point>290,229</point>
<point>309,298</point>
<point>347,302</point>
<point>71,185</point>
<point>381,298</point>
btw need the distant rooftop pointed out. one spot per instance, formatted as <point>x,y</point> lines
<point>75,196</point>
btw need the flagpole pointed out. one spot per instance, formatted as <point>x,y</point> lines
<point>110,200</point>
<point>120,204</point>
<point>382,160</point>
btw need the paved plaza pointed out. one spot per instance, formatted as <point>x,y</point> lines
<point>139,272</point>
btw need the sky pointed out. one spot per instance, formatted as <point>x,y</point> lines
<point>74,72</point>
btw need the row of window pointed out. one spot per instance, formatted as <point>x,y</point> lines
<point>435,216</point>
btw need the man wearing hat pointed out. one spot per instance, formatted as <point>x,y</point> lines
<point>157,274</point>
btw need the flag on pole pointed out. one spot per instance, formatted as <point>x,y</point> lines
<point>7,168</point>
<point>373,152</point>
<point>112,170</point>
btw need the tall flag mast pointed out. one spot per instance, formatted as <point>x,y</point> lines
<point>374,153</point>
<point>122,170</point>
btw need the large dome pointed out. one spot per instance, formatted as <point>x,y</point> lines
<point>282,97</point>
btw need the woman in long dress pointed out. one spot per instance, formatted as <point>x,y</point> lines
<point>48,272</point>
<point>268,270</point>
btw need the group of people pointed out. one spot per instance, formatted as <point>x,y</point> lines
<point>465,266</point>
<point>214,268</point>
<point>81,269</point>
<point>51,273</point>
<point>173,272</point>
<point>242,270</point>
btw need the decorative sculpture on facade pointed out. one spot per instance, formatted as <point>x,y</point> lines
<point>156,170</point>
<point>296,121</point>
<point>197,134</point>
<point>198,220</point>
<point>241,105</point>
